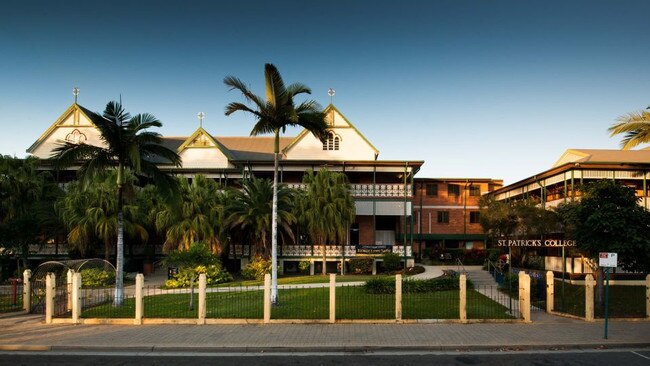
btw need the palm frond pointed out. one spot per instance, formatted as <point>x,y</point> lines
<point>635,127</point>
<point>235,83</point>
<point>235,107</point>
<point>273,83</point>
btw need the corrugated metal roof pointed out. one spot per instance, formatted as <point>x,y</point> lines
<point>242,147</point>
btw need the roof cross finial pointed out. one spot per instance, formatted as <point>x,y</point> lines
<point>201,116</point>
<point>75,92</point>
<point>331,93</point>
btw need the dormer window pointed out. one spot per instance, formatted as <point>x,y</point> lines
<point>333,142</point>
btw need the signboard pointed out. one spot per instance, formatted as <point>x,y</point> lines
<point>607,259</point>
<point>373,249</point>
<point>548,243</point>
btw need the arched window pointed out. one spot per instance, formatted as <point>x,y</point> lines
<point>333,142</point>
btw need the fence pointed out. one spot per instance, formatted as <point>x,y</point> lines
<point>627,299</point>
<point>316,303</point>
<point>11,297</point>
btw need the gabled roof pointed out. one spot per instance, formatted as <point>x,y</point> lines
<point>329,108</point>
<point>215,143</point>
<point>604,156</point>
<point>92,117</point>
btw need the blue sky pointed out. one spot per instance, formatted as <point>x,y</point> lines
<point>475,88</point>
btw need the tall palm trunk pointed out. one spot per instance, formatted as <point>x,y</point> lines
<point>274,223</point>
<point>119,260</point>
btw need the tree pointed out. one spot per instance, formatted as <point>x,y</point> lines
<point>194,217</point>
<point>26,199</point>
<point>635,126</point>
<point>250,213</point>
<point>273,115</point>
<point>198,254</point>
<point>327,207</point>
<point>90,213</point>
<point>127,145</point>
<point>497,218</point>
<point>608,218</point>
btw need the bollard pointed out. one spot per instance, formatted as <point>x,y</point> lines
<point>398,297</point>
<point>139,299</point>
<point>76,298</point>
<point>267,298</point>
<point>589,298</point>
<point>202,293</point>
<point>27,290</point>
<point>463,298</point>
<point>332,298</point>
<point>550,291</point>
<point>50,289</point>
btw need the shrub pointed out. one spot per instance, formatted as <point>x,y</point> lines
<point>362,265</point>
<point>214,274</point>
<point>304,266</point>
<point>386,285</point>
<point>96,277</point>
<point>257,268</point>
<point>380,285</point>
<point>392,261</point>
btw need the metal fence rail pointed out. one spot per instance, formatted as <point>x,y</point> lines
<point>431,305</point>
<point>489,302</point>
<point>245,302</point>
<point>624,302</point>
<point>173,303</point>
<point>352,302</point>
<point>98,303</point>
<point>569,299</point>
<point>62,301</point>
<point>11,297</point>
<point>301,302</point>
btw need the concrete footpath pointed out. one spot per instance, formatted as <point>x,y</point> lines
<point>548,333</point>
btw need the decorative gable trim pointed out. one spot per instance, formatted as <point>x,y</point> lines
<point>200,132</point>
<point>568,152</point>
<point>73,109</point>
<point>329,108</point>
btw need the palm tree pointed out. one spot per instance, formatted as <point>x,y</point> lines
<point>249,212</point>
<point>196,218</point>
<point>635,126</point>
<point>273,115</point>
<point>90,213</point>
<point>127,144</point>
<point>327,207</point>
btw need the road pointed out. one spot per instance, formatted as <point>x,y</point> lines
<point>627,357</point>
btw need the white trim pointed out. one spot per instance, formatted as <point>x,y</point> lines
<point>448,207</point>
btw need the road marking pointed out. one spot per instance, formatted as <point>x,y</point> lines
<point>638,354</point>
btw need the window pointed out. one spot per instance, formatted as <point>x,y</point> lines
<point>453,190</point>
<point>443,217</point>
<point>474,217</point>
<point>432,190</point>
<point>474,190</point>
<point>333,142</point>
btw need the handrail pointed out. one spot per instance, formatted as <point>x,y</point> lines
<point>459,264</point>
<point>496,268</point>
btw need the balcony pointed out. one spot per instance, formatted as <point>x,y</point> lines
<point>371,190</point>
<point>331,251</point>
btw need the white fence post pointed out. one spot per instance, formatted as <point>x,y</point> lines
<point>524,296</point>
<point>27,290</point>
<point>398,297</point>
<point>50,289</point>
<point>267,298</point>
<point>68,282</point>
<point>76,298</point>
<point>332,298</point>
<point>463,298</point>
<point>203,280</point>
<point>139,298</point>
<point>589,298</point>
<point>550,291</point>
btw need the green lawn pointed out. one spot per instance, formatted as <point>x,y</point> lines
<point>352,302</point>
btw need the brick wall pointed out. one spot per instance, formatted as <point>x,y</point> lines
<point>365,230</point>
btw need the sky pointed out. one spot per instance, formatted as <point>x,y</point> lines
<point>491,89</point>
